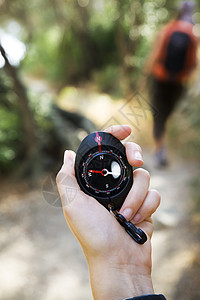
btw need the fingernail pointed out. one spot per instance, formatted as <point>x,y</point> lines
<point>127,213</point>
<point>138,155</point>
<point>137,218</point>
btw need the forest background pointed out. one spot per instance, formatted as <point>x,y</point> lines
<point>87,58</point>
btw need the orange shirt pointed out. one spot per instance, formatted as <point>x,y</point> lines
<point>158,68</point>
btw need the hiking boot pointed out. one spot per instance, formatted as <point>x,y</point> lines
<point>160,158</point>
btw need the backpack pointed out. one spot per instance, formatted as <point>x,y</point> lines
<point>176,53</point>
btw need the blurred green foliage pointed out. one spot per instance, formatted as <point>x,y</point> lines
<point>184,132</point>
<point>70,42</point>
<point>108,79</point>
<point>11,127</point>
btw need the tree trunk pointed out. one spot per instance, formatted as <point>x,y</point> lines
<point>123,50</point>
<point>28,120</point>
<point>31,167</point>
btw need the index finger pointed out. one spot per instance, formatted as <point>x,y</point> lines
<point>133,151</point>
<point>119,131</point>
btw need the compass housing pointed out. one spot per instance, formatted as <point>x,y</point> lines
<point>102,169</point>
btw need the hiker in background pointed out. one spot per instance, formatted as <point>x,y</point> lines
<point>169,65</point>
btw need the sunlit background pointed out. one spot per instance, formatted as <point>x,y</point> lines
<point>67,68</point>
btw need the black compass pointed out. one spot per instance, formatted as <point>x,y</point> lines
<point>102,169</point>
<point>103,172</point>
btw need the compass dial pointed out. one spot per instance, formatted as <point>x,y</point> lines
<point>102,169</point>
<point>104,172</point>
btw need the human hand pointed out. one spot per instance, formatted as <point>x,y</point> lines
<point>119,267</point>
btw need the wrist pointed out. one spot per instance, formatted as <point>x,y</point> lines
<point>116,282</point>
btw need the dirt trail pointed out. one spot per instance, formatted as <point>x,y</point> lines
<point>40,258</point>
<point>174,247</point>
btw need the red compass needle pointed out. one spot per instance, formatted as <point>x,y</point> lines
<point>95,171</point>
<point>105,172</point>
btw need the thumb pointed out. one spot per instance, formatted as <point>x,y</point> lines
<point>82,212</point>
<point>66,181</point>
